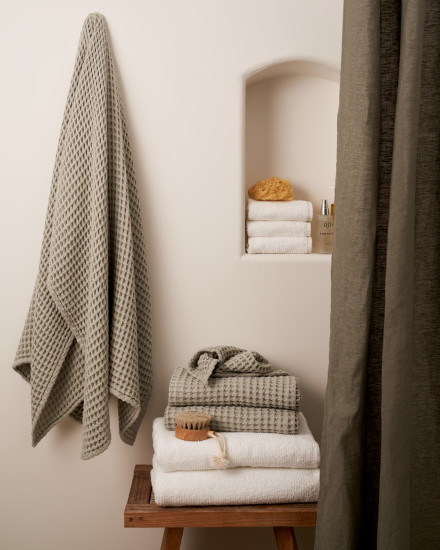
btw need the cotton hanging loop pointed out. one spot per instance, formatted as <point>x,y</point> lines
<point>219,461</point>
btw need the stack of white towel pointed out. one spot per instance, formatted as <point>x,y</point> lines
<point>263,468</point>
<point>279,227</point>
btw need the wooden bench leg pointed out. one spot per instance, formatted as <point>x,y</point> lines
<point>172,536</point>
<point>285,537</point>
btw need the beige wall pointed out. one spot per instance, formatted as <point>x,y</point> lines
<point>182,65</point>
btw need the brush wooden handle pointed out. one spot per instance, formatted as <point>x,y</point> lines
<point>192,435</point>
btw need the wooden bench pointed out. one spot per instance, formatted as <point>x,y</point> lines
<point>142,511</point>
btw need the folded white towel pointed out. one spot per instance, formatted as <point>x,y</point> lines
<point>234,486</point>
<point>257,450</point>
<point>279,245</point>
<point>280,210</point>
<point>278,229</point>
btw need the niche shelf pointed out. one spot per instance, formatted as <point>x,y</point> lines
<point>290,114</point>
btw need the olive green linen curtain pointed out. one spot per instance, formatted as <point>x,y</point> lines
<point>380,472</point>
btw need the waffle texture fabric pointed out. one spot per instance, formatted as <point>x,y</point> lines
<point>87,333</point>
<point>280,392</point>
<point>241,419</point>
<point>229,361</point>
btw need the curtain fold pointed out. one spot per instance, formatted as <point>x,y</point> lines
<point>380,480</point>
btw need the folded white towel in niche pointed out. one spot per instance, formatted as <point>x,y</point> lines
<point>279,245</point>
<point>280,210</point>
<point>234,486</point>
<point>256,450</point>
<point>278,229</point>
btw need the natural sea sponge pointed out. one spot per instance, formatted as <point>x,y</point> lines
<point>272,189</point>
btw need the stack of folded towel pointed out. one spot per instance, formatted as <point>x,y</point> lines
<point>279,227</point>
<point>239,389</point>
<point>264,468</point>
<point>271,454</point>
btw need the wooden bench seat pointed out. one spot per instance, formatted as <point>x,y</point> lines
<point>142,511</point>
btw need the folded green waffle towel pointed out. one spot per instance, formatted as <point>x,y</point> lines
<point>87,333</point>
<point>279,392</point>
<point>239,389</point>
<point>241,419</point>
<point>230,361</point>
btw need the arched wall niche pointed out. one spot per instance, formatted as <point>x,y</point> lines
<point>290,116</point>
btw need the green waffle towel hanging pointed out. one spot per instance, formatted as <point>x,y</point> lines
<point>88,331</point>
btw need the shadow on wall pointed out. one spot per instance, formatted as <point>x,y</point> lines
<point>313,408</point>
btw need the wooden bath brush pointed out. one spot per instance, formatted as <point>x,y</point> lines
<point>194,426</point>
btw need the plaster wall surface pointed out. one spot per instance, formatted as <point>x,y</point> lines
<point>182,67</point>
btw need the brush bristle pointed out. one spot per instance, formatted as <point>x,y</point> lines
<point>192,420</point>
